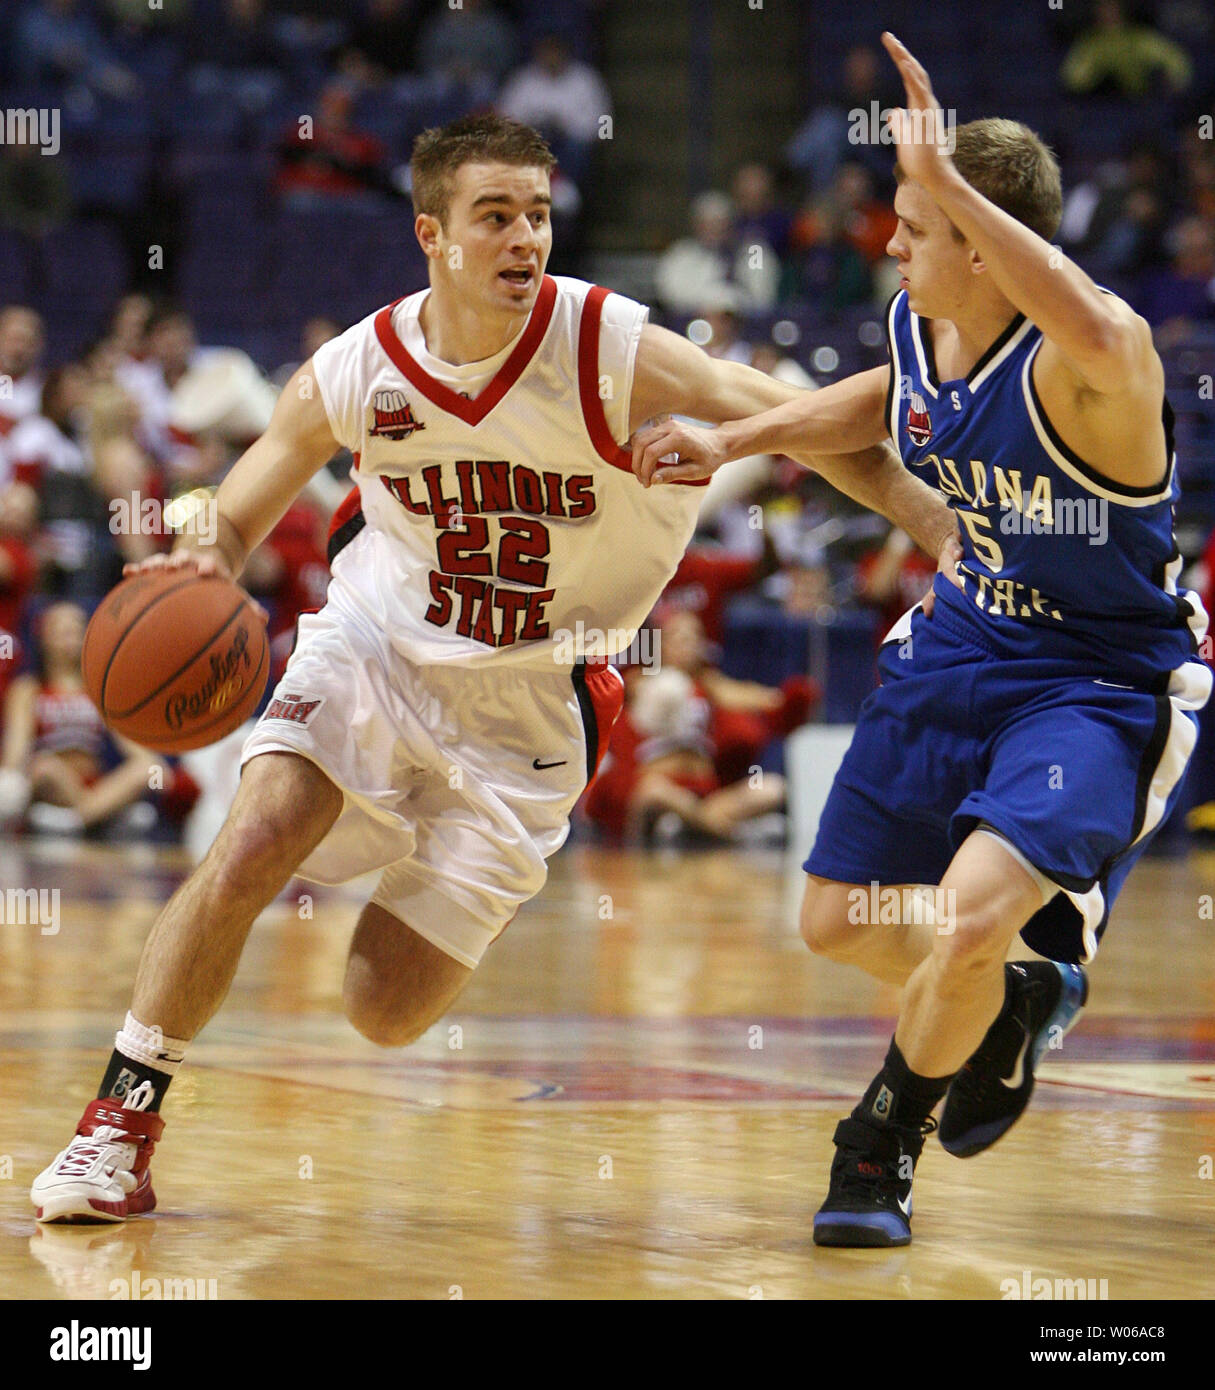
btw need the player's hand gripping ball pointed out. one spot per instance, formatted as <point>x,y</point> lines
<point>175,660</point>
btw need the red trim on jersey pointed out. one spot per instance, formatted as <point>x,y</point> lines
<point>471,412</point>
<point>349,505</point>
<point>605,685</point>
<point>588,383</point>
<point>357,458</point>
<point>588,388</point>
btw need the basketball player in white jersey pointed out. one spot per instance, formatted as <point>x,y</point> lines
<point>437,721</point>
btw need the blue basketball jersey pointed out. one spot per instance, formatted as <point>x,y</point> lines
<point>1059,562</point>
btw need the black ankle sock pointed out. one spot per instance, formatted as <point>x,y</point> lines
<point>898,1095</point>
<point>123,1075</point>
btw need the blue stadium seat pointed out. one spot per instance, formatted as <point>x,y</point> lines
<point>72,323</point>
<point>155,59</point>
<point>448,104</point>
<point>8,18</point>
<point>204,118</point>
<point>14,276</point>
<point>932,32</point>
<point>569,18</point>
<point>1185,364</point>
<point>385,117</point>
<point>85,259</point>
<point>125,121</point>
<point>281,116</point>
<point>227,198</point>
<point>110,178</point>
<point>1101,127</point>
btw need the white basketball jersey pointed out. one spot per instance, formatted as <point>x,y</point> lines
<point>496,516</point>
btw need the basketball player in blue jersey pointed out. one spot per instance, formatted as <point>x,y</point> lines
<point>1031,734</point>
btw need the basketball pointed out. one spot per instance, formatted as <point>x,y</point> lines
<point>174,661</point>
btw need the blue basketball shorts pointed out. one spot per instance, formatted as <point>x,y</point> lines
<point>1075,770</point>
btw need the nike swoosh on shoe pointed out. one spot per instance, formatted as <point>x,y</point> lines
<point>1017,1077</point>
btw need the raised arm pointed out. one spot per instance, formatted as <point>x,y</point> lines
<point>1100,377</point>
<point>1100,337</point>
<point>262,484</point>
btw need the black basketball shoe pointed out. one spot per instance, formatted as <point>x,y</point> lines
<point>869,1200</point>
<point>986,1098</point>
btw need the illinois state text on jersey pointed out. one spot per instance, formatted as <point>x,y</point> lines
<point>495,510</point>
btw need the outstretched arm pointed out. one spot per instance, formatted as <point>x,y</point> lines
<point>839,431</point>
<point>844,417</point>
<point>674,377</point>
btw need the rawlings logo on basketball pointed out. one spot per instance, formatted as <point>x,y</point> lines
<point>919,426</point>
<point>217,691</point>
<point>293,708</point>
<point>393,415</point>
<point>223,697</point>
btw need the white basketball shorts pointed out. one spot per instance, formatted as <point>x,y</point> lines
<point>458,782</point>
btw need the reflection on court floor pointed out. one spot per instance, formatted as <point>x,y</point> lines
<point>634,1098</point>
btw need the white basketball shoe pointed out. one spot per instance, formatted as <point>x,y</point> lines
<point>103,1174</point>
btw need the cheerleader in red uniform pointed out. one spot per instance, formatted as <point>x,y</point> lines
<point>690,743</point>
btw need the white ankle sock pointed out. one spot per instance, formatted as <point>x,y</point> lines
<point>150,1046</point>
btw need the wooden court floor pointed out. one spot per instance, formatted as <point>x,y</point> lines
<point>633,1099</point>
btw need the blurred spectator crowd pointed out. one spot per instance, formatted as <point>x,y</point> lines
<point>96,471</point>
<point>210,154</point>
<point>216,150</point>
<point>1124,93</point>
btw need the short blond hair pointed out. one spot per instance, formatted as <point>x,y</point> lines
<point>1011,167</point>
